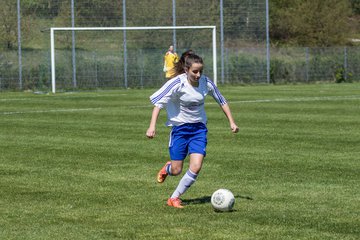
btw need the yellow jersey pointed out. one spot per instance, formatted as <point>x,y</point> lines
<point>169,63</point>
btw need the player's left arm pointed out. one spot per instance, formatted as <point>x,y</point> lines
<point>226,109</point>
<point>215,93</point>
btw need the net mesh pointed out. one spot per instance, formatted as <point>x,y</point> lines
<point>101,60</point>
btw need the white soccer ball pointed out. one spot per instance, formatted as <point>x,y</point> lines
<point>223,200</point>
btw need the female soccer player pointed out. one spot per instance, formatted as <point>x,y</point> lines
<point>183,97</point>
<point>170,59</point>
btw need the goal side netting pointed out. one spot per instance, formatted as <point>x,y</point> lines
<point>123,57</point>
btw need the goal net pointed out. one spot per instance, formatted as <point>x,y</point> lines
<point>123,57</point>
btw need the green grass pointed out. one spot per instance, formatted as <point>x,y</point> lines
<point>78,166</point>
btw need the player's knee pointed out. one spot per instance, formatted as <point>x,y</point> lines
<point>175,170</point>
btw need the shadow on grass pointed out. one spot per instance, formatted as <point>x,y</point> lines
<point>207,199</point>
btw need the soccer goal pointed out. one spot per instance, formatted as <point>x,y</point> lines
<point>106,64</point>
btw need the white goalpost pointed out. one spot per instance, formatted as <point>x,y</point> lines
<point>54,29</point>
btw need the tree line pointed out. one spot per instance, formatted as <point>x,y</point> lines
<point>292,23</point>
<point>314,22</point>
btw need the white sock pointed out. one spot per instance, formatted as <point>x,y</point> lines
<point>168,169</point>
<point>186,181</point>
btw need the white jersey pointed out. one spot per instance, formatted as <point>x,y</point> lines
<point>183,102</point>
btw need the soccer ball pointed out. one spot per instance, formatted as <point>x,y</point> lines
<point>222,200</point>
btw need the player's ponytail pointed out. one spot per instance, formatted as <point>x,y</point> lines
<point>181,64</point>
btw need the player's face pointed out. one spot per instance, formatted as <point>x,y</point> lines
<point>194,73</point>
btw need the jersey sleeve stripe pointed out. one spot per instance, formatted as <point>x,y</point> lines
<point>156,98</point>
<point>217,93</point>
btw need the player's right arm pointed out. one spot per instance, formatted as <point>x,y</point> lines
<point>150,133</point>
<point>160,99</point>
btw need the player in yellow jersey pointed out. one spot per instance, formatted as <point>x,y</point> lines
<point>170,59</point>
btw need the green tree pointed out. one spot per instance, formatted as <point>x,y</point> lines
<point>100,13</point>
<point>310,22</point>
<point>8,28</point>
<point>355,5</point>
<point>41,8</point>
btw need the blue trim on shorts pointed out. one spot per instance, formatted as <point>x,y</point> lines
<point>187,139</point>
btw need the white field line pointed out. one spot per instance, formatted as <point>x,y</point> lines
<point>60,97</point>
<point>50,111</point>
<point>13,99</point>
<point>304,99</point>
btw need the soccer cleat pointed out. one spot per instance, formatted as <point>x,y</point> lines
<point>162,174</point>
<point>174,202</point>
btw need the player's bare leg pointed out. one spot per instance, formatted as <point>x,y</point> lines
<point>187,180</point>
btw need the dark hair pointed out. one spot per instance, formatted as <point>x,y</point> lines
<point>191,59</point>
<point>186,60</point>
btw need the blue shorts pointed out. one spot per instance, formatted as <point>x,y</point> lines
<point>186,139</point>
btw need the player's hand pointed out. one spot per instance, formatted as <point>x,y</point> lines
<point>234,128</point>
<point>150,133</point>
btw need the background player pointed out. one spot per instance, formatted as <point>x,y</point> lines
<point>170,59</point>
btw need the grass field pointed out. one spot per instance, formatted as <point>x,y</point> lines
<point>78,166</point>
